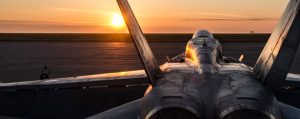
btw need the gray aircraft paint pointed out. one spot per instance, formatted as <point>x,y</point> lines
<point>199,83</point>
<point>143,49</point>
<point>207,87</point>
<point>276,58</point>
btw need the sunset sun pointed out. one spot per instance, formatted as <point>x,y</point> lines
<point>117,20</point>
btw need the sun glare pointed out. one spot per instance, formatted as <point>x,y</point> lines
<point>117,20</point>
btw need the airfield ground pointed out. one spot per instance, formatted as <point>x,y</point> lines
<point>24,55</point>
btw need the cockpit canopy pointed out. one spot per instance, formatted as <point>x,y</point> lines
<point>203,33</point>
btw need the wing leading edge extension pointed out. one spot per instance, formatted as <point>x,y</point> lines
<point>276,58</point>
<point>141,44</point>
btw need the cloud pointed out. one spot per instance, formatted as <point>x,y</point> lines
<point>230,19</point>
<point>209,16</point>
<point>27,22</point>
<point>48,26</point>
<point>32,22</point>
<point>222,15</point>
<point>77,10</point>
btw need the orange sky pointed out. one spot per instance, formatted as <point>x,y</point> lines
<point>155,16</point>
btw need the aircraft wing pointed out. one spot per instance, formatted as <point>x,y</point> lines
<point>126,111</point>
<point>289,112</point>
<point>293,77</point>
<point>82,96</point>
<point>128,78</point>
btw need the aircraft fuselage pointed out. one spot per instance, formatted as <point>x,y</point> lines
<point>203,86</point>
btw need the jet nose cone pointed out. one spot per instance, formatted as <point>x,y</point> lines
<point>203,33</point>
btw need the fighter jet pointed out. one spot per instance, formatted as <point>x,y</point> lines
<point>200,83</point>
